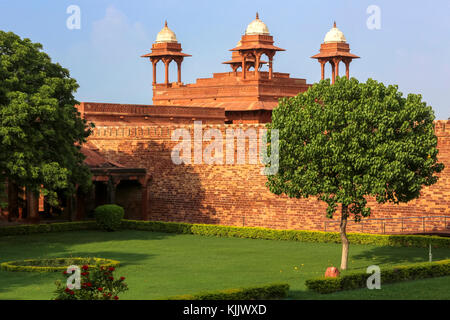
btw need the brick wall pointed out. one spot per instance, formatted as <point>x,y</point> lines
<point>236,194</point>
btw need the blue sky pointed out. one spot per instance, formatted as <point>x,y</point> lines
<point>411,49</point>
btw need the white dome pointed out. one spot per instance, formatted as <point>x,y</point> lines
<point>257,27</point>
<point>334,35</point>
<point>166,35</point>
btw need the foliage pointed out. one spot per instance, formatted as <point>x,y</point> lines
<point>345,142</point>
<point>97,283</point>
<point>55,264</point>
<point>109,216</point>
<point>391,274</point>
<point>41,131</point>
<point>350,140</point>
<point>265,292</point>
<point>238,232</point>
<point>290,235</point>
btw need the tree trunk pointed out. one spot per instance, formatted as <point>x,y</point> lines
<point>344,239</point>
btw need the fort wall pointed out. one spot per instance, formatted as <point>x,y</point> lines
<point>235,194</point>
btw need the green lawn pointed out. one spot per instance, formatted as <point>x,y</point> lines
<point>160,264</point>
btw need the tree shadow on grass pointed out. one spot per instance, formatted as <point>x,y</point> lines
<point>22,283</point>
<point>401,255</point>
<point>40,245</point>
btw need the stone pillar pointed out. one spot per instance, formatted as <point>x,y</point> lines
<point>270,67</point>
<point>154,63</point>
<point>336,63</point>
<point>167,72</point>
<point>333,72</point>
<point>166,64</point>
<point>257,58</point>
<point>322,69</point>
<point>243,67</point>
<point>347,68</point>
<point>179,70</point>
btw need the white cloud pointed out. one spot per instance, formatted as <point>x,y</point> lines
<point>114,35</point>
<point>108,65</point>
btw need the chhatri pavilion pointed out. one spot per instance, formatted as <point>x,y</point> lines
<point>246,93</point>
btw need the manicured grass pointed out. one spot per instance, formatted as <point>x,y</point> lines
<point>160,264</point>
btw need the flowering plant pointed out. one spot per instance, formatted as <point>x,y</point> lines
<point>97,283</point>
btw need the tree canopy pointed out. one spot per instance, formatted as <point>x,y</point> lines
<point>41,130</point>
<point>345,142</point>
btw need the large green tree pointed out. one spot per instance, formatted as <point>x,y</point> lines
<point>346,142</point>
<point>41,130</point>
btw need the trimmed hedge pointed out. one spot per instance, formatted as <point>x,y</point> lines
<point>292,235</point>
<point>57,264</point>
<point>357,280</point>
<point>46,228</point>
<point>265,292</point>
<point>240,232</point>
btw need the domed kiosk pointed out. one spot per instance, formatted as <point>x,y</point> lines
<point>334,50</point>
<point>166,49</point>
<point>254,43</point>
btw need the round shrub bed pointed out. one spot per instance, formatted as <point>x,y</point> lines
<point>56,264</point>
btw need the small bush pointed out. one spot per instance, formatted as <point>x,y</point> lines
<point>97,283</point>
<point>265,292</point>
<point>356,280</point>
<point>109,216</point>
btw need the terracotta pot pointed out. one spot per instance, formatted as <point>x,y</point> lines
<point>332,272</point>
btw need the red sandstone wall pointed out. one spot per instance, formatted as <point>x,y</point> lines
<point>229,91</point>
<point>236,194</point>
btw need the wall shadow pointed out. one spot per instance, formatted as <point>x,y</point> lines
<point>175,192</point>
